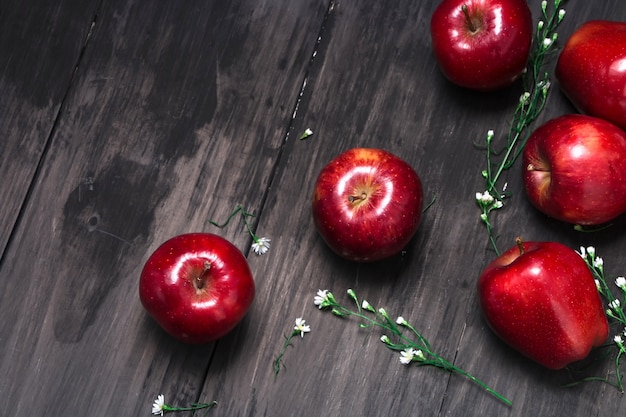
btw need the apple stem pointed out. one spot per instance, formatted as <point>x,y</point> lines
<point>354,198</point>
<point>520,245</point>
<point>200,278</point>
<point>470,23</point>
<point>531,167</point>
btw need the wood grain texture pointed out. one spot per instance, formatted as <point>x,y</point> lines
<point>178,112</point>
<point>40,45</point>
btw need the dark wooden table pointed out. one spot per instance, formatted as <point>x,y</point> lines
<point>124,123</point>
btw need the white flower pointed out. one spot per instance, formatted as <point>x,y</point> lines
<point>598,287</point>
<point>583,252</point>
<point>547,42</point>
<point>544,85</point>
<point>591,251</point>
<point>321,298</point>
<point>484,198</point>
<point>302,327</point>
<point>385,339</point>
<point>406,356</point>
<point>261,245</point>
<point>614,304</point>
<point>409,354</point>
<point>524,97</point>
<point>618,339</point>
<point>365,305</point>
<point>158,405</point>
<point>598,262</point>
<point>308,132</point>
<point>621,282</point>
<point>561,14</point>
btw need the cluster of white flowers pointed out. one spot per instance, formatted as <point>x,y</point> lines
<point>484,198</point>
<point>487,203</point>
<point>615,307</point>
<point>590,251</point>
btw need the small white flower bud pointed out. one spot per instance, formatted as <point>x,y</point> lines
<point>598,262</point>
<point>401,321</point>
<point>524,97</point>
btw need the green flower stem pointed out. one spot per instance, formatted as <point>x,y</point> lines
<point>536,83</point>
<point>244,215</point>
<point>279,359</point>
<point>382,320</point>
<point>615,311</point>
<point>194,407</point>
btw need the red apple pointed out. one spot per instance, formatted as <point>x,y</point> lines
<point>196,286</point>
<point>574,169</point>
<point>482,44</point>
<point>367,204</point>
<point>541,299</point>
<point>591,70</point>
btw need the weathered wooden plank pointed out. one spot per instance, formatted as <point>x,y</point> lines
<point>40,44</point>
<point>375,83</point>
<point>178,112</point>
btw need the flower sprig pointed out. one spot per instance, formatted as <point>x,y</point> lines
<point>260,245</point>
<point>413,348</point>
<point>299,329</point>
<point>159,407</point>
<point>531,103</point>
<point>306,134</point>
<point>615,307</point>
